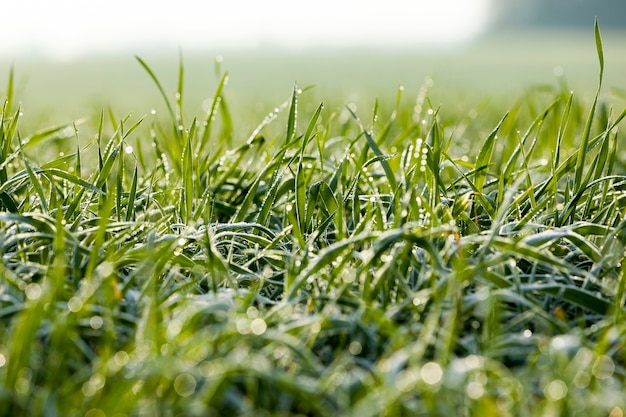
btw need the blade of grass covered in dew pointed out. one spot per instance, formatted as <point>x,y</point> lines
<point>35,182</point>
<point>6,200</point>
<point>226,136</point>
<point>384,132</point>
<point>291,119</point>
<point>512,161</point>
<point>393,184</point>
<point>77,163</point>
<point>556,155</point>
<point>612,157</point>
<point>321,195</point>
<point>582,151</point>
<point>8,131</point>
<point>187,190</point>
<point>244,208</point>
<point>179,94</point>
<point>300,184</point>
<point>161,90</point>
<point>8,102</point>
<point>375,112</point>
<point>599,161</point>
<point>568,165</point>
<point>598,169</point>
<point>500,215</point>
<point>50,133</point>
<point>112,150</point>
<point>277,175</point>
<point>275,164</point>
<point>335,189</point>
<point>18,179</point>
<point>563,124</point>
<point>237,168</point>
<point>479,196</point>
<point>381,213</point>
<point>121,171</point>
<point>271,196</point>
<point>119,178</point>
<point>99,237</point>
<point>208,121</point>
<point>218,267</point>
<point>4,156</point>
<point>526,168</point>
<point>356,202</point>
<point>78,191</point>
<point>617,309</point>
<point>435,185</point>
<point>483,159</point>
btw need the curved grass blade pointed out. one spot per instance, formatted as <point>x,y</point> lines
<point>393,184</point>
<point>484,156</point>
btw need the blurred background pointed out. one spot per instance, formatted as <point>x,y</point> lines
<point>73,57</point>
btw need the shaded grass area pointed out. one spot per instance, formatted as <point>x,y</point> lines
<point>394,261</point>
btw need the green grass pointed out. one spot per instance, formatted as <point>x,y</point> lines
<point>401,260</point>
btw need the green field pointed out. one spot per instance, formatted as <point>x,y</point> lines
<point>451,247</point>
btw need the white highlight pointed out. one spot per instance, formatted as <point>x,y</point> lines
<point>67,28</point>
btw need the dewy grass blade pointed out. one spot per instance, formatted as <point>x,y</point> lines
<point>8,103</point>
<point>293,111</point>
<point>300,184</point>
<point>179,92</point>
<point>217,100</point>
<point>187,191</point>
<point>162,91</point>
<point>393,184</point>
<point>35,182</point>
<point>582,151</point>
<point>484,156</point>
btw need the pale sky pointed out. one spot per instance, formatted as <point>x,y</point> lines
<point>67,28</point>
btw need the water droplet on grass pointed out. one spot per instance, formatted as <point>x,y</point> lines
<point>33,291</point>
<point>121,358</point>
<point>475,390</point>
<point>96,322</point>
<point>431,373</point>
<point>603,367</point>
<point>355,348</point>
<point>185,385</point>
<point>258,326</point>
<point>555,390</point>
<point>74,304</point>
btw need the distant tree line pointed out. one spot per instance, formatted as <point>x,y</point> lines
<point>558,13</point>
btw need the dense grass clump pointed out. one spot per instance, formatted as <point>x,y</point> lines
<point>403,262</point>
